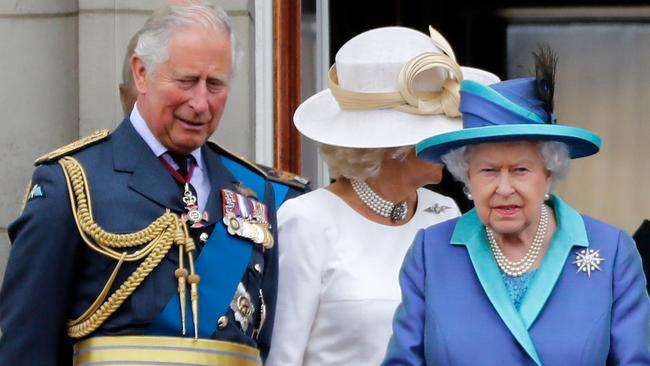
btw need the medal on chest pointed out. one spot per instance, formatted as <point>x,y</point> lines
<point>246,217</point>
<point>191,215</point>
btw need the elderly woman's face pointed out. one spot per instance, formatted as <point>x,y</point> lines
<point>508,181</point>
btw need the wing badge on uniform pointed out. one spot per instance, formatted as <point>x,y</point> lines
<point>437,208</point>
<point>246,217</point>
<point>37,191</point>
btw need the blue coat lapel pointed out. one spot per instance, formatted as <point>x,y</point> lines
<point>149,177</point>
<point>469,232</point>
<point>570,232</point>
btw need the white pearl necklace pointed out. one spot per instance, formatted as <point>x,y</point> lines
<point>518,268</point>
<point>382,207</point>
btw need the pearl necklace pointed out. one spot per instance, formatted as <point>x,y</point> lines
<point>382,207</point>
<point>518,268</point>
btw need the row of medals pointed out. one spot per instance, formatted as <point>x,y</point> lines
<point>258,233</point>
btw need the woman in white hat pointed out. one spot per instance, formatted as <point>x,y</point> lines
<point>341,246</point>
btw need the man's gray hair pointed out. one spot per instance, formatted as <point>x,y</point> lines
<point>153,42</point>
<point>555,154</point>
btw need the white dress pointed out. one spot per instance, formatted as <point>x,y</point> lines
<point>338,285</point>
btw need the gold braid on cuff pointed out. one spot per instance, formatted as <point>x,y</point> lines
<point>153,243</point>
<point>408,100</point>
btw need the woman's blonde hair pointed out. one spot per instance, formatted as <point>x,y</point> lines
<point>357,163</point>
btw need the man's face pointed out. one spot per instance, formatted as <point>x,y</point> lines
<point>184,100</point>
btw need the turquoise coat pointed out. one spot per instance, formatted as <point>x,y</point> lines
<point>456,310</point>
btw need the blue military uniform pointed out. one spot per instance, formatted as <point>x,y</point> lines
<point>54,275</point>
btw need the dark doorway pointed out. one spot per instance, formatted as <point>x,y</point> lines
<point>477,31</point>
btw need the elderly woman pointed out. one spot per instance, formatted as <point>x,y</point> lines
<point>341,246</point>
<point>522,279</point>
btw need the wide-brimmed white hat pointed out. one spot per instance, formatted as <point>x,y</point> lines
<point>389,87</point>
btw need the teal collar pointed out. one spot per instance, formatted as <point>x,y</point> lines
<point>570,231</point>
<point>570,225</point>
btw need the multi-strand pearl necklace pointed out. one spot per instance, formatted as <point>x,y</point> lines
<point>518,268</point>
<point>382,207</point>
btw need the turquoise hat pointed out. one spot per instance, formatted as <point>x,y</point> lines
<point>512,110</point>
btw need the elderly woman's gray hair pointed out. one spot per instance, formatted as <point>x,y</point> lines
<point>153,43</point>
<point>356,163</point>
<point>555,154</point>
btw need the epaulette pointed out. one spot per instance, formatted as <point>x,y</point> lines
<point>293,180</point>
<point>73,147</point>
<point>272,174</point>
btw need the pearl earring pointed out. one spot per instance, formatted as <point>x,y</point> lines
<point>547,197</point>
<point>468,194</point>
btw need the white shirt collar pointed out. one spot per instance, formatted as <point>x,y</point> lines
<point>158,149</point>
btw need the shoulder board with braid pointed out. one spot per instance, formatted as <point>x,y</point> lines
<point>73,147</point>
<point>287,178</point>
<point>272,174</point>
<point>240,159</point>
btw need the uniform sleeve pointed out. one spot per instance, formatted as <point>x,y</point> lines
<point>302,243</point>
<point>36,292</point>
<point>630,329</point>
<point>406,345</point>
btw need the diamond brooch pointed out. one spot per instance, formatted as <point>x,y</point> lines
<point>588,260</point>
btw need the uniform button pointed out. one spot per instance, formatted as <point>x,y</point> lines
<point>203,237</point>
<point>222,322</point>
<point>258,268</point>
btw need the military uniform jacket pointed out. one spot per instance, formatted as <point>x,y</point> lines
<point>53,276</point>
<point>456,310</point>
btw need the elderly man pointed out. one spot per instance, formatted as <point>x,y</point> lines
<point>148,245</point>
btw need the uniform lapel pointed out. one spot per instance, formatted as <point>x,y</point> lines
<point>469,232</point>
<point>149,177</point>
<point>570,231</point>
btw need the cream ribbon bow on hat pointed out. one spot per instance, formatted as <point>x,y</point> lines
<point>446,101</point>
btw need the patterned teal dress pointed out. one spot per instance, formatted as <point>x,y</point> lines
<point>518,285</point>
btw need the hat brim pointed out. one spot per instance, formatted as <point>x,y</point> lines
<point>580,142</point>
<point>321,119</point>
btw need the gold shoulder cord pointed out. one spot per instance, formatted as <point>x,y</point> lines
<point>154,243</point>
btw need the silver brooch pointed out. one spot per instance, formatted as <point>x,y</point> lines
<point>437,209</point>
<point>588,260</point>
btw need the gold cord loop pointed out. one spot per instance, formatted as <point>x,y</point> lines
<point>153,243</point>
